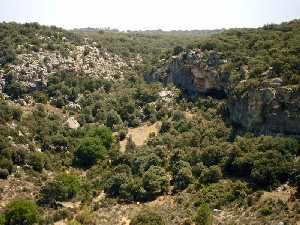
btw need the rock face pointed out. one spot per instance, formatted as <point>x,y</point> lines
<point>271,108</point>
<point>190,73</point>
<point>34,68</point>
<point>267,110</point>
<point>72,123</point>
<point>194,74</point>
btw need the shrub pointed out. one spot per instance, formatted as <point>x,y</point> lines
<point>37,161</point>
<point>2,219</point>
<point>8,112</point>
<point>122,134</point>
<point>15,89</point>
<point>212,155</point>
<point>40,97</point>
<point>64,187</point>
<point>266,160</point>
<point>198,169</point>
<point>270,169</point>
<point>211,175</point>
<point>4,173</point>
<point>59,142</point>
<point>89,152</point>
<point>204,215</point>
<point>62,214</point>
<point>102,133</point>
<point>6,164</point>
<point>112,185</point>
<point>144,160</point>
<point>155,181</point>
<point>219,194</point>
<point>165,126</point>
<point>113,119</point>
<point>130,145</point>
<point>266,211</point>
<point>147,217</point>
<point>19,156</point>
<point>182,173</point>
<point>21,212</point>
<point>86,217</point>
<point>7,54</point>
<point>132,190</point>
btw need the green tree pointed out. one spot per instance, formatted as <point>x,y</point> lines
<point>204,215</point>
<point>155,181</point>
<point>37,161</point>
<point>182,174</point>
<point>132,189</point>
<point>112,185</point>
<point>144,160</point>
<point>130,145</point>
<point>270,169</point>
<point>6,164</point>
<point>113,118</point>
<point>21,212</point>
<point>64,187</point>
<point>211,175</point>
<point>4,173</point>
<point>90,150</point>
<point>104,134</point>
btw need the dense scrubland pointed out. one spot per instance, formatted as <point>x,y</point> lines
<point>200,167</point>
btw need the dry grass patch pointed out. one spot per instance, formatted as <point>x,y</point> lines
<point>140,134</point>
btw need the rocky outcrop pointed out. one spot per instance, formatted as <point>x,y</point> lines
<point>194,73</point>
<point>267,108</point>
<point>34,68</point>
<point>71,123</point>
<point>271,110</point>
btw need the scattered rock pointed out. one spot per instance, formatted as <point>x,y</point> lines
<point>61,222</point>
<point>73,106</point>
<point>72,123</point>
<point>100,197</point>
<point>217,210</point>
<point>34,68</point>
<point>70,205</point>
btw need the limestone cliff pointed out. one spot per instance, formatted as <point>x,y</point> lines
<point>267,110</point>
<point>269,107</point>
<point>195,74</point>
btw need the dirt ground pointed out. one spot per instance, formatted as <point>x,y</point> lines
<point>140,134</point>
<point>189,115</point>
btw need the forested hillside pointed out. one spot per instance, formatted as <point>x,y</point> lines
<point>211,136</point>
